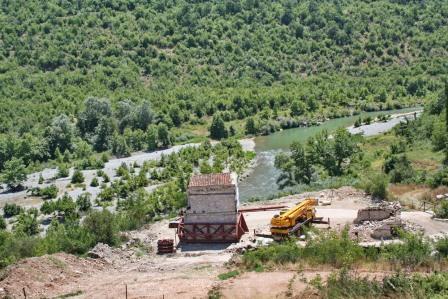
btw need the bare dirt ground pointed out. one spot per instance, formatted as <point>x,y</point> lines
<point>189,273</point>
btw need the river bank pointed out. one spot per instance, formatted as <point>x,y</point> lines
<point>263,179</point>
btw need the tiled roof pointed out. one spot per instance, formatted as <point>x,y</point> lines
<point>214,179</point>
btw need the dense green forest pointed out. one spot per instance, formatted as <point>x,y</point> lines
<point>115,75</point>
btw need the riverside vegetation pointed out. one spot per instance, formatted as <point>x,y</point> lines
<point>414,152</point>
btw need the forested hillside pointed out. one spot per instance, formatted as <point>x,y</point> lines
<point>167,64</point>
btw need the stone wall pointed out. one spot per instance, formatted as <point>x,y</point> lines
<point>373,214</point>
<point>212,204</point>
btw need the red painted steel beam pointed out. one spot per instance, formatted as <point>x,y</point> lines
<point>259,209</point>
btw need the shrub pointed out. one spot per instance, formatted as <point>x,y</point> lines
<point>413,252</point>
<point>27,223</point>
<point>14,174</point>
<point>442,210</point>
<point>439,178</point>
<point>107,194</point>
<point>282,253</point>
<point>77,177</point>
<point>106,178</point>
<point>49,192</point>
<point>94,182</point>
<point>2,223</point>
<point>344,285</point>
<point>102,225</point>
<point>377,187</point>
<point>41,179</point>
<point>84,202</point>
<point>63,171</point>
<point>11,209</point>
<point>228,275</point>
<point>333,249</point>
<point>442,246</point>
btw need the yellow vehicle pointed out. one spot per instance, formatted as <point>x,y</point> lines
<point>290,221</point>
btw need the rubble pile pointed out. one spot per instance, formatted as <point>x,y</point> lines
<point>114,256</point>
<point>380,221</point>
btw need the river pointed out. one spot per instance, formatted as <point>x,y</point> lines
<point>262,180</point>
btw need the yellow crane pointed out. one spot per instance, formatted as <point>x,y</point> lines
<point>290,221</point>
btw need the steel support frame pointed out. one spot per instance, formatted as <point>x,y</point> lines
<point>212,232</point>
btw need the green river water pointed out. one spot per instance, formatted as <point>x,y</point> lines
<point>262,180</point>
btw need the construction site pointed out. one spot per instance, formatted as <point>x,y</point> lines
<point>182,257</point>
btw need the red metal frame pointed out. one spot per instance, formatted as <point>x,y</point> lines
<point>212,232</point>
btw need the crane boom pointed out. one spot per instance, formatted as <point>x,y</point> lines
<point>291,220</point>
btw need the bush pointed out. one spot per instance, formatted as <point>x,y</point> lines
<point>442,210</point>
<point>442,246</point>
<point>94,182</point>
<point>27,224</point>
<point>327,248</point>
<point>14,174</point>
<point>439,178</point>
<point>47,192</point>
<point>377,187</point>
<point>2,223</point>
<point>228,275</point>
<point>63,171</point>
<point>413,252</point>
<point>83,202</point>
<point>102,225</point>
<point>333,249</point>
<point>77,177</point>
<point>11,209</point>
<point>69,237</point>
<point>282,253</point>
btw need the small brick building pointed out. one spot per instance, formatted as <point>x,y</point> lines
<point>212,198</point>
<point>212,210</point>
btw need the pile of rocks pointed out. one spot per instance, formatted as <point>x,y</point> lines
<point>380,221</point>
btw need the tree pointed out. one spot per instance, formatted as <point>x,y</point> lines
<point>27,223</point>
<point>41,179</point>
<point>297,108</point>
<point>151,138</point>
<point>345,146</point>
<point>63,171</point>
<point>2,223</point>
<point>163,135</point>
<point>103,134</point>
<point>175,115</point>
<point>95,110</point>
<point>14,174</point>
<point>251,126</point>
<point>218,129</point>
<point>143,116</point>
<point>83,202</point>
<point>60,134</point>
<point>77,177</point>
<point>103,226</point>
<point>119,146</point>
<point>11,209</point>
<point>297,168</point>
<point>303,167</point>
